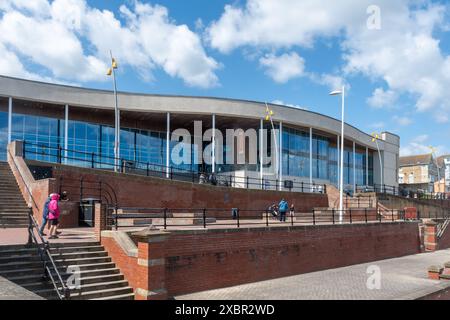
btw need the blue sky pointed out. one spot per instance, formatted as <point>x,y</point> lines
<point>397,70</point>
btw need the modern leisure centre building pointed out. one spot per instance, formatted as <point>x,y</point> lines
<point>77,124</point>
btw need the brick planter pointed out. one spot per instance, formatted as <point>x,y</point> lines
<point>434,272</point>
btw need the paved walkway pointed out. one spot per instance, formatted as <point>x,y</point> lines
<point>20,236</point>
<point>401,278</point>
<point>12,291</point>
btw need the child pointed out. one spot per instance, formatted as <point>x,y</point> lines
<point>53,215</point>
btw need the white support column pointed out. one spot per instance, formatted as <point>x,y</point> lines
<point>9,119</point>
<point>168,145</point>
<point>367,166</point>
<point>354,166</point>
<point>261,154</point>
<point>66,132</point>
<point>310,157</point>
<point>280,157</point>
<point>213,157</point>
<point>338,158</point>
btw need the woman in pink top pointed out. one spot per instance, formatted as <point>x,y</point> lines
<point>53,215</point>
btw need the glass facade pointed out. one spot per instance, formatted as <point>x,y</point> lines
<point>91,141</point>
<point>324,158</point>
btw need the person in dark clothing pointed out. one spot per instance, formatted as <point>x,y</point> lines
<point>283,207</point>
<point>45,215</point>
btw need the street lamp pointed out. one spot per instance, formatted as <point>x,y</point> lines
<point>375,138</point>
<point>341,175</point>
<point>111,71</point>
<point>269,114</point>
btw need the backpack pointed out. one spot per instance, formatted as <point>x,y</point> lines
<point>45,210</point>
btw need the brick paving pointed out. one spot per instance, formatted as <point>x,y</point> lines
<point>12,291</point>
<point>20,236</point>
<point>402,278</point>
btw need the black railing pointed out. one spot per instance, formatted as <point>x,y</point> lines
<point>50,269</point>
<point>403,192</point>
<point>92,160</point>
<point>204,218</point>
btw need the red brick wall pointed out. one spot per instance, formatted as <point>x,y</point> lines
<point>138,191</point>
<point>203,260</point>
<point>127,265</point>
<point>198,261</point>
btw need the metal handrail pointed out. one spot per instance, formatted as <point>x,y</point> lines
<point>174,173</point>
<point>44,253</point>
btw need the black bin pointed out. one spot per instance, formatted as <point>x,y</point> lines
<point>86,217</point>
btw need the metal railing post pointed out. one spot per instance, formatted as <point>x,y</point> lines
<point>238,218</point>
<point>365,213</point>
<point>302,186</point>
<point>314,217</point>
<point>148,169</point>
<point>30,226</point>
<point>116,209</point>
<point>204,218</point>
<point>351,219</point>
<point>93,160</point>
<point>267,218</point>
<point>392,215</point>
<point>165,218</point>
<point>247,181</point>
<point>332,215</point>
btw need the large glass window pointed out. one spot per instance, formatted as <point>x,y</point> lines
<point>3,134</point>
<point>295,152</point>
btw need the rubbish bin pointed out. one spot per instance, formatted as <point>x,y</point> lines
<point>86,217</point>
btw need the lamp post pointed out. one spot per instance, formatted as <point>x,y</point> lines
<point>111,71</point>
<point>341,175</point>
<point>375,138</point>
<point>269,114</point>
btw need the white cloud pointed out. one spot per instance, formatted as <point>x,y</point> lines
<point>72,41</point>
<point>402,121</point>
<point>282,103</point>
<point>404,54</point>
<point>381,98</point>
<point>419,145</point>
<point>284,67</point>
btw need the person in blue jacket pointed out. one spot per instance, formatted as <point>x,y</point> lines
<point>283,207</point>
<point>45,215</point>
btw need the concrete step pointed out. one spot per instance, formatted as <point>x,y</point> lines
<point>81,261</point>
<point>128,296</point>
<point>39,271</point>
<point>101,293</point>
<point>77,248</point>
<point>78,254</point>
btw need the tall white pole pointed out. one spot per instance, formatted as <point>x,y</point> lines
<point>116,122</point>
<point>168,146</point>
<point>261,159</point>
<point>341,182</point>
<point>10,105</point>
<point>276,145</point>
<point>280,156</point>
<point>66,132</point>
<point>354,166</point>
<point>381,165</point>
<point>213,158</point>
<point>310,158</point>
<point>367,166</point>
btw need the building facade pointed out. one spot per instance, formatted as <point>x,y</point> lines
<point>418,173</point>
<point>444,167</point>
<point>80,121</point>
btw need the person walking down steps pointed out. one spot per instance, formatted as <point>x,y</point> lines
<point>53,215</point>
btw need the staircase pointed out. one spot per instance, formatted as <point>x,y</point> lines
<point>100,279</point>
<point>13,209</point>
